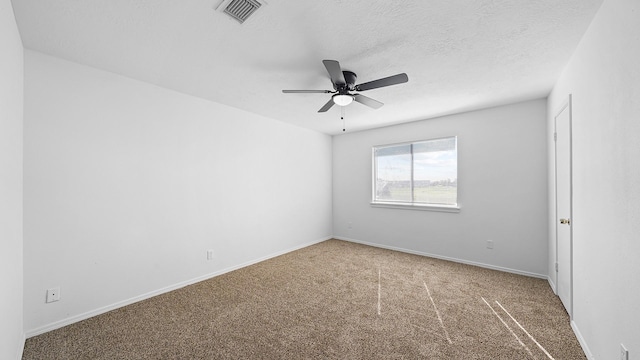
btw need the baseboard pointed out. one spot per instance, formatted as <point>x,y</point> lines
<point>462,261</point>
<point>552,284</point>
<point>582,341</point>
<point>21,346</point>
<point>119,304</point>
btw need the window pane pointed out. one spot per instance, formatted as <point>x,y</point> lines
<point>435,167</point>
<point>424,172</point>
<point>393,173</point>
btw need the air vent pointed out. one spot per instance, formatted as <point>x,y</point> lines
<point>241,9</point>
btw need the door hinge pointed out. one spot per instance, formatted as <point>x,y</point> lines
<point>555,136</point>
<point>556,267</point>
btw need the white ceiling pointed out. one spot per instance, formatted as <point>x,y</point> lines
<point>459,54</point>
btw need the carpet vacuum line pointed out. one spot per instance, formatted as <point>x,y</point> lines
<point>509,328</point>
<point>379,291</point>
<point>446,333</point>
<point>526,332</point>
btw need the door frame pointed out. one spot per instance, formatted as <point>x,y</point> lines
<point>567,105</point>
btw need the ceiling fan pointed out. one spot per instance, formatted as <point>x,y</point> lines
<point>344,84</point>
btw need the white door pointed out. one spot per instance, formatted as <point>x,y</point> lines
<point>564,241</point>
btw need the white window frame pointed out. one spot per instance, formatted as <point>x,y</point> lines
<point>410,205</point>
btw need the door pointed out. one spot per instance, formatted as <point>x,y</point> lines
<point>564,239</point>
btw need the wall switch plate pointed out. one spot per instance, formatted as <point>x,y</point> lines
<point>210,254</point>
<point>489,244</point>
<point>624,353</point>
<point>53,294</point>
<point>350,225</point>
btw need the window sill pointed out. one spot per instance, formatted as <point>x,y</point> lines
<point>405,206</point>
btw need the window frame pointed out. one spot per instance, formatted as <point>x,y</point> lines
<point>412,205</point>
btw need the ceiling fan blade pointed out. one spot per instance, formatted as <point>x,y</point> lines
<point>307,91</point>
<point>335,72</point>
<point>365,100</point>
<point>326,106</point>
<point>388,81</point>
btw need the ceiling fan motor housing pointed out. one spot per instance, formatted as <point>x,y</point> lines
<point>350,78</point>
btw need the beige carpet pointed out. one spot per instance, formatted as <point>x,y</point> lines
<point>333,300</point>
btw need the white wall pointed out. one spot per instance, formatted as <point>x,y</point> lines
<point>502,170</point>
<point>128,184</point>
<point>11,101</point>
<point>603,77</point>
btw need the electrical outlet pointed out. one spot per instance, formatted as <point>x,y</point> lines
<point>489,244</point>
<point>624,353</point>
<point>210,254</point>
<point>53,294</point>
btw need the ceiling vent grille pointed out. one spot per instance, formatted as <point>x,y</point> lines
<point>241,9</point>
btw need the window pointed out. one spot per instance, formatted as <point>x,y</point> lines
<point>423,173</point>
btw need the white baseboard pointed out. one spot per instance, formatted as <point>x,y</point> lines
<point>119,304</point>
<point>21,346</point>
<point>102,310</point>
<point>582,341</point>
<point>462,261</point>
<point>552,284</point>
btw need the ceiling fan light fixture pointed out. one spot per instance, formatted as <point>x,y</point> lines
<point>342,99</point>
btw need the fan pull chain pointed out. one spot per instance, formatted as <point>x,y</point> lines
<point>342,118</point>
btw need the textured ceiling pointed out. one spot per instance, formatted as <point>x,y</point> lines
<point>459,54</point>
